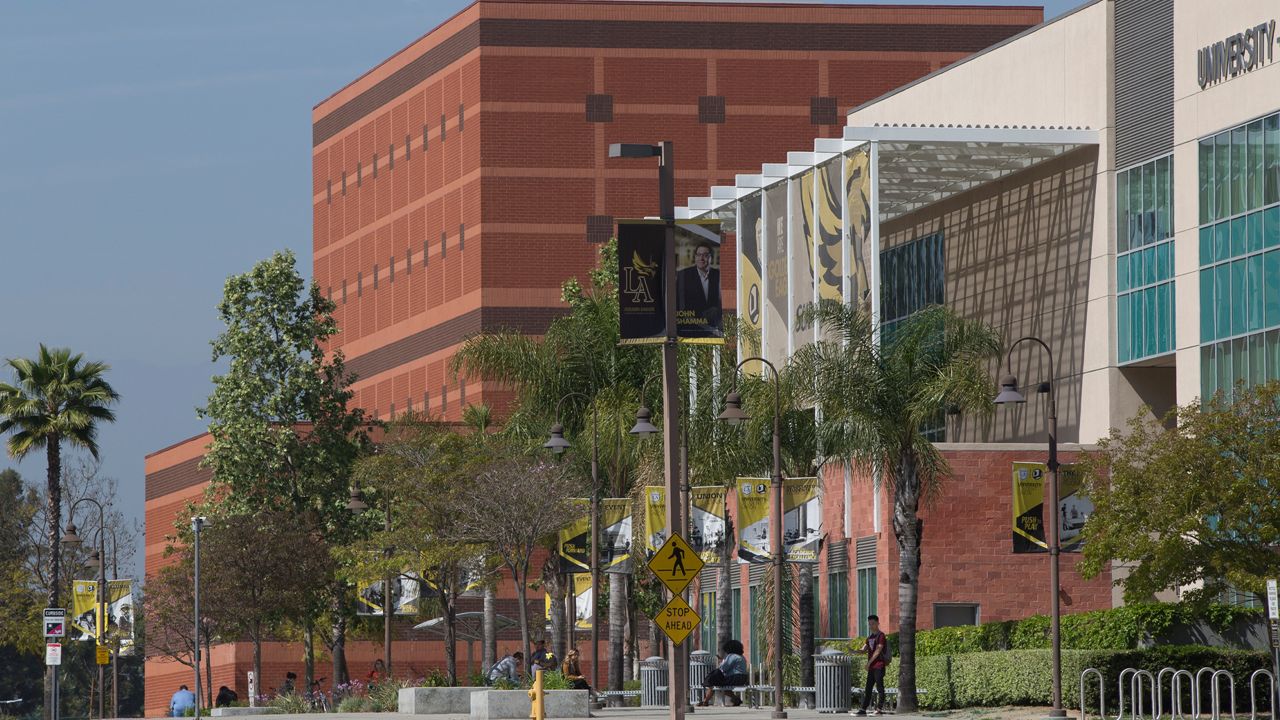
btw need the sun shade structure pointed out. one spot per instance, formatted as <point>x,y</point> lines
<point>469,626</point>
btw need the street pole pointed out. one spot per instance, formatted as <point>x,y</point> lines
<point>677,676</point>
<point>1049,507</point>
<point>595,549</point>
<point>686,503</point>
<point>101,620</point>
<point>197,524</point>
<point>734,414</point>
<point>388,599</point>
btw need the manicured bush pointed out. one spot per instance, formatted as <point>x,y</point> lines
<point>355,704</point>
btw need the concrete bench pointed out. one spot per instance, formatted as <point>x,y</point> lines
<point>436,700</point>
<point>244,711</point>
<point>514,704</point>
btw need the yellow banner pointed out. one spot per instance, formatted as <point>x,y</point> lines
<point>750,290</point>
<point>802,520</point>
<point>405,594</point>
<point>830,253</point>
<point>706,524</point>
<point>857,217</point>
<point>800,257</point>
<point>574,540</point>
<point>1028,508</point>
<point>119,609</point>
<point>583,601</point>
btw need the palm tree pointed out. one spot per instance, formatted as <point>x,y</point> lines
<point>55,397</point>
<point>879,398</point>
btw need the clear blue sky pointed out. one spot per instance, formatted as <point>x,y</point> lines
<point>151,149</point>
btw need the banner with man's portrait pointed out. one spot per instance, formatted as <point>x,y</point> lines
<point>699,308</point>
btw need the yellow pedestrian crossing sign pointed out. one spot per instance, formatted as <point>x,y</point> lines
<point>676,564</point>
<point>677,620</point>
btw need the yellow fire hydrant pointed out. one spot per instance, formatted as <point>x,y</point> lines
<point>537,695</point>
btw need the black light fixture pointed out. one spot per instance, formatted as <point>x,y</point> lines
<point>356,503</point>
<point>94,562</point>
<point>70,539</point>
<point>644,426</point>
<point>556,444</point>
<point>733,412</point>
<point>1009,391</point>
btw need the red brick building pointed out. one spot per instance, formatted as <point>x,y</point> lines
<point>460,182</point>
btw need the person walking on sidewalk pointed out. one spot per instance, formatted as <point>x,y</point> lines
<point>876,648</point>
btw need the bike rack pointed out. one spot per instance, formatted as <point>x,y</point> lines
<point>1215,693</point>
<point>1175,693</point>
<point>1195,692</point>
<point>1253,692</point>
<point>1102,694</point>
<point>1120,686</point>
<point>1136,691</point>
<point>1159,691</point>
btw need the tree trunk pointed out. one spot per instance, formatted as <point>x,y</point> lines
<point>908,530</point>
<point>208,670</point>
<point>489,649</point>
<point>53,513</point>
<point>805,592</point>
<point>450,606</point>
<point>617,628</point>
<point>554,583</point>
<point>257,660</point>
<point>724,591</point>
<point>308,652</point>
<point>339,649</point>
<point>521,579</point>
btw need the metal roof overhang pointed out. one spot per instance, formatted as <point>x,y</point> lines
<point>919,166</point>
<point>916,166</point>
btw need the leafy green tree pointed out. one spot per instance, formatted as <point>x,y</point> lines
<point>17,583</point>
<point>258,572</point>
<point>877,399</point>
<point>420,471</point>
<point>1189,502</point>
<point>284,438</point>
<point>55,398</point>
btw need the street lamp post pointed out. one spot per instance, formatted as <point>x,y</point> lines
<point>558,444</point>
<point>1009,395</point>
<point>71,539</point>
<point>197,524</point>
<point>678,677</point>
<point>357,505</point>
<point>734,414</point>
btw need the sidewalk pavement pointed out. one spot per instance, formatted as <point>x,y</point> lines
<point>659,713</point>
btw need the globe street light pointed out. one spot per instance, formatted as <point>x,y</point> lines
<point>1010,395</point>
<point>558,444</point>
<point>734,414</point>
<point>71,539</point>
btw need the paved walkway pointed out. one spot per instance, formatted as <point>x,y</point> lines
<point>607,713</point>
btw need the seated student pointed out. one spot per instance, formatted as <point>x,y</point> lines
<point>508,668</point>
<point>182,701</point>
<point>225,697</point>
<point>731,673</point>
<point>573,673</point>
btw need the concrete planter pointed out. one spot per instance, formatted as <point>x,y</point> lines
<point>514,704</point>
<point>436,700</point>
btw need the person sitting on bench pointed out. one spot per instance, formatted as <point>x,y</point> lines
<point>731,673</point>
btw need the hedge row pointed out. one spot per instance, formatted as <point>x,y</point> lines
<point>1122,628</point>
<point>1024,677</point>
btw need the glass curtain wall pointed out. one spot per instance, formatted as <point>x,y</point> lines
<point>1144,261</point>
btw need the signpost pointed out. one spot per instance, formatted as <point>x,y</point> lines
<point>55,622</point>
<point>53,653</point>
<point>676,565</point>
<point>1273,624</point>
<point>103,655</point>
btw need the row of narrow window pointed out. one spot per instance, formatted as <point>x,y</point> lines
<point>426,400</point>
<point>391,265</point>
<point>391,154</point>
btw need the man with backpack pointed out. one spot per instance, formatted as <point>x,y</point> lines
<point>876,648</point>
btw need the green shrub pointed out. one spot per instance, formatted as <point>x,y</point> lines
<point>385,696</point>
<point>551,680</point>
<point>355,704</point>
<point>290,704</point>
<point>434,678</point>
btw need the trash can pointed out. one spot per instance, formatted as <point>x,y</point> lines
<point>653,682</point>
<point>700,664</point>
<point>831,676</point>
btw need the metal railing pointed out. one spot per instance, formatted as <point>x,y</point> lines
<point>1215,693</point>
<point>1102,693</point>
<point>1253,692</point>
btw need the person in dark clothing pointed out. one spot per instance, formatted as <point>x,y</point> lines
<point>731,673</point>
<point>573,672</point>
<point>290,685</point>
<point>876,648</point>
<point>226,696</point>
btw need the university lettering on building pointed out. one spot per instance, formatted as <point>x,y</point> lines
<point>1238,53</point>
